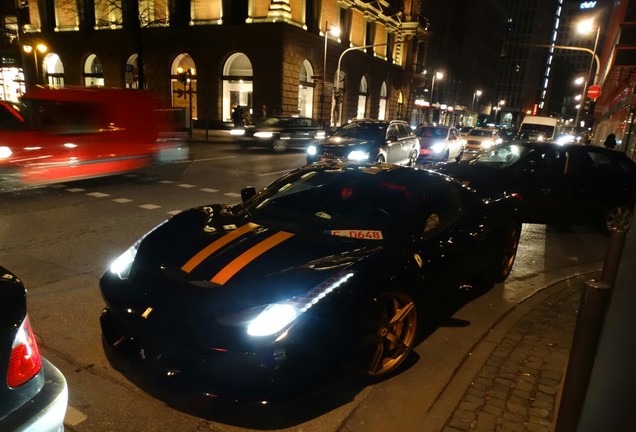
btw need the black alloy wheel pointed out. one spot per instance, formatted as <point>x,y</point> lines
<point>508,253</point>
<point>617,218</point>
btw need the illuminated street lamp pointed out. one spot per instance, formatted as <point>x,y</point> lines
<point>42,49</point>
<point>475,96</point>
<point>335,32</point>
<point>586,27</point>
<point>439,76</point>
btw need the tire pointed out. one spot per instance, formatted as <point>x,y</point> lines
<point>616,218</point>
<point>380,159</point>
<point>508,253</point>
<point>413,158</point>
<point>279,146</point>
<point>459,156</point>
<point>446,156</point>
<point>393,330</point>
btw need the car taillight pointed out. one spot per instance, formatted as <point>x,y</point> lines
<point>517,196</point>
<point>25,361</point>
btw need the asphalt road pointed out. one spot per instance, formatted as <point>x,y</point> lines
<point>60,239</point>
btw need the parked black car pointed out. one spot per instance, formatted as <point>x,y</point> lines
<point>368,141</point>
<point>325,270</point>
<point>33,392</point>
<point>557,184</point>
<point>279,133</point>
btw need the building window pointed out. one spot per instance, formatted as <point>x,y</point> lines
<point>237,84</point>
<point>363,94</point>
<point>93,72</point>
<point>383,98</point>
<point>108,14</point>
<point>306,90</point>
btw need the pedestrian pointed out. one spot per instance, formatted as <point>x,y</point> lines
<point>237,116</point>
<point>610,141</point>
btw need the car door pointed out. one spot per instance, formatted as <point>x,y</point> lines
<point>454,143</point>
<point>393,144</point>
<point>406,142</point>
<point>545,188</point>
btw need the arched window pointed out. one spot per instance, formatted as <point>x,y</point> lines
<point>183,80</point>
<point>237,84</point>
<point>54,70</point>
<point>363,94</point>
<point>383,98</point>
<point>400,105</point>
<point>306,90</point>
<point>93,72</point>
<point>131,73</point>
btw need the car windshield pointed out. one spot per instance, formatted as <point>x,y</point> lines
<point>501,157</point>
<point>353,202</point>
<point>480,133</point>
<point>361,131</point>
<point>432,132</point>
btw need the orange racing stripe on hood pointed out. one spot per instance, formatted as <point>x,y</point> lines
<point>216,245</point>
<point>248,256</point>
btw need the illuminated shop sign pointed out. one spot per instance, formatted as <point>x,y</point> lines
<point>588,5</point>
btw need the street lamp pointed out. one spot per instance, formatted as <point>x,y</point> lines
<point>472,106</point>
<point>439,76</point>
<point>497,109</point>
<point>41,48</point>
<point>586,27</point>
<point>334,31</point>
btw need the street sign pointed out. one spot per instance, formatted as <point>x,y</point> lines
<point>594,91</point>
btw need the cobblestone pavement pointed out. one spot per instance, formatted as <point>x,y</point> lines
<point>518,387</point>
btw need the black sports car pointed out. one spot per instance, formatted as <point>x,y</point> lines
<point>558,184</point>
<point>323,271</point>
<point>33,392</point>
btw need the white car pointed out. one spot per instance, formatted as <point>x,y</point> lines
<point>439,143</point>
<point>480,139</point>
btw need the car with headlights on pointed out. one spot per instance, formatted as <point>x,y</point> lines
<point>279,133</point>
<point>480,139</point>
<point>566,184</point>
<point>33,392</point>
<point>439,143</point>
<point>54,135</point>
<point>326,272</point>
<point>368,140</point>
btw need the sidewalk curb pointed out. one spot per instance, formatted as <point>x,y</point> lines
<point>442,411</point>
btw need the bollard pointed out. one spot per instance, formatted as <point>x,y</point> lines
<point>589,324</point>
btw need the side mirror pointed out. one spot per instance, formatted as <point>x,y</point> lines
<point>247,193</point>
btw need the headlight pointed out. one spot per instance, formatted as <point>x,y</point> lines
<point>487,144</point>
<point>122,264</point>
<point>312,150</point>
<point>273,319</point>
<point>438,147</point>
<point>263,134</point>
<point>237,132</point>
<point>358,155</point>
<point>5,152</point>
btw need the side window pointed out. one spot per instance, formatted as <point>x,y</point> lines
<point>392,131</point>
<point>454,134</point>
<point>405,131</point>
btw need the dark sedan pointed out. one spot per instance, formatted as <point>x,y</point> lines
<point>279,133</point>
<point>33,392</point>
<point>368,141</point>
<point>325,270</point>
<point>558,184</point>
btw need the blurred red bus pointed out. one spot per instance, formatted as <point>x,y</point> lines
<point>73,133</point>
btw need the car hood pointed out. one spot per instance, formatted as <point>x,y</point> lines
<point>483,179</point>
<point>240,263</point>
<point>342,142</point>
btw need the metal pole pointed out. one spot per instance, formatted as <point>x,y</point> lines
<point>587,332</point>
<point>587,80</point>
<point>324,77</point>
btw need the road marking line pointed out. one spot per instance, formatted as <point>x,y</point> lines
<point>232,194</point>
<point>185,185</point>
<point>216,158</point>
<point>122,200</point>
<point>98,194</point>
<point>174,212</point>
<point>209,190</point>
<point>274,173</point>
<point>150,206</point>
<point>75,190</point>
<point>73,416</point>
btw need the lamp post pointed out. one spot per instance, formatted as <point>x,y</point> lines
<point>41,48</point>
<point>586,27</point>
<point>472,106</point>
<point>439,76</point>
<point>335,31</point>
<point>497,109</point>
